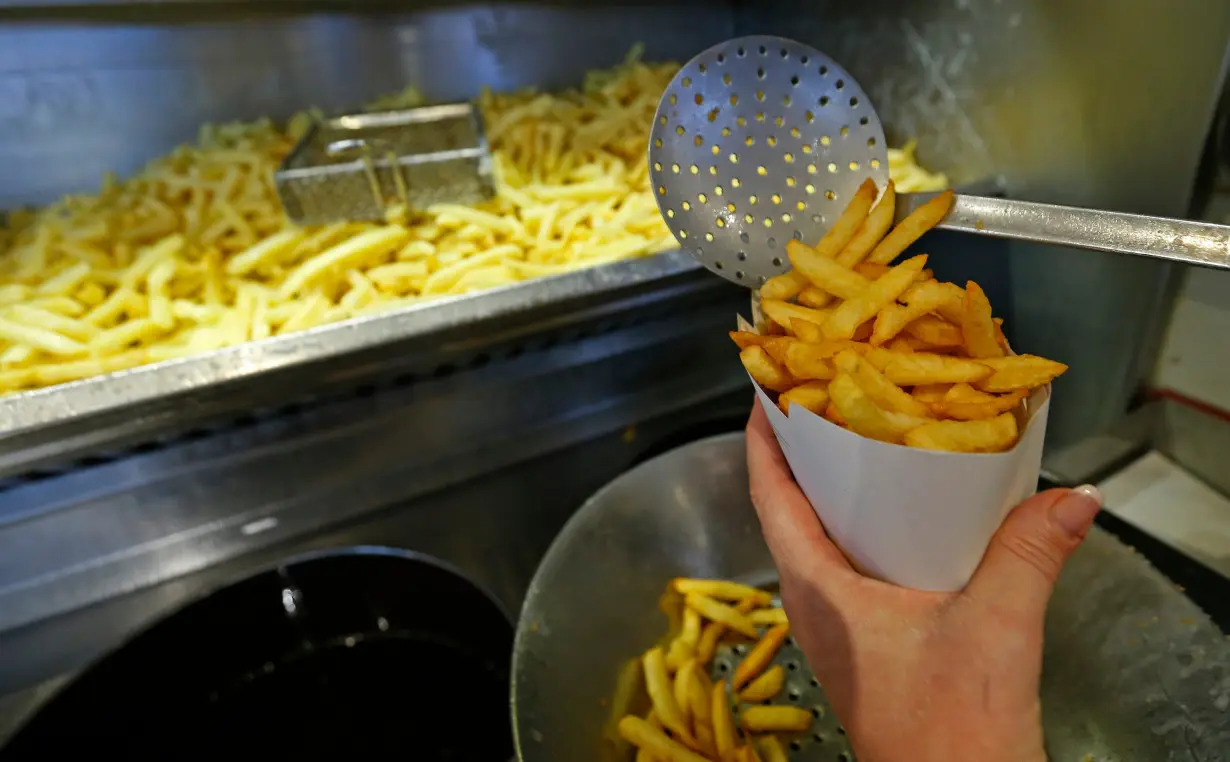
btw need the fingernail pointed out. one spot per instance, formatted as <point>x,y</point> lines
<point>1075,512</point>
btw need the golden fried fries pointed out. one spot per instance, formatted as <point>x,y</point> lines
<point>1019,372</point>
<point>764,687</point>
<point>994,435</point>
<point>760,656</point>
<point>826,273</point>
<point>661,693</point>
<point>925,368</point>
<point>883,392</point>
<point>852,313</point>
<point>848,224</point>
<point>768,617</point>
<point>775,719</point>
<point>911,228</point>
<point>987,406</point>
<point>723,721</point>
<point>864,416</point>
<point>721,613</point>
<point>812,395</point>
<point>765,370</point>
<point>771,749</point>
<point>691,717</point>
<point>873,229</point>
<point>884,350</point>
<point>782,313</point>
<point>646,737</point>
<point>722,590</point>
<point>977,324</point>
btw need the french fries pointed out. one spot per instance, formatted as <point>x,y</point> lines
<point>882,348</point>
<point>194,253</point>
<point>692,718</point>
<point>764,687</point>
<point>775,719</point>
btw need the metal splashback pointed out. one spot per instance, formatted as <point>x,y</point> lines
<point>1048,96</point>
<point>1054,98</point>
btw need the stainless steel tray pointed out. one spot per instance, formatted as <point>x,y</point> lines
<point>83,417</point>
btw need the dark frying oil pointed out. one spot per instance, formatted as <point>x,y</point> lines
<point>379,698</point>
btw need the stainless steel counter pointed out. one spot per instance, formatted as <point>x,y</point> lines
<point>488,500</point>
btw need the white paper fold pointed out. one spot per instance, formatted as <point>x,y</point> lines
<point>916,518</point>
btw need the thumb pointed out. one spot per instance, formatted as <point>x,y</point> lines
<point>1029,550</point>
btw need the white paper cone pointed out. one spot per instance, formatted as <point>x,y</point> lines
<point>916,518</point>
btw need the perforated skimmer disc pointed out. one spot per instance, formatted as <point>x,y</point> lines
<point>825,740</point>
<point>756,141</point>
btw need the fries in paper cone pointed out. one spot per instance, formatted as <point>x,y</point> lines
<point>907,419</point>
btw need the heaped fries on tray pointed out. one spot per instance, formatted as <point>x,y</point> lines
<point>691,719</point>
<point>194,254</point>
<point>882,348</point>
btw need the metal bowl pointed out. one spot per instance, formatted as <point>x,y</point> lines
<point>1133,669</point>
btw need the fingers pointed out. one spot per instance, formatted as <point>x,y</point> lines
<point>794,534</point>
<point>1029,550</point>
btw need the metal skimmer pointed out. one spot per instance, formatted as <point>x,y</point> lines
<point>825,740</point>
<point>359,167</point>
<point>761,139</point>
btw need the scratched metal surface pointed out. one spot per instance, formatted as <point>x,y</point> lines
<point>1058,99</point>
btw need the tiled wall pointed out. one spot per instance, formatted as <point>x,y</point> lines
<point>1195,359</point>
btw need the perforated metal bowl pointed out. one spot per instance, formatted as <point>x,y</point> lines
<point>1133,670</point>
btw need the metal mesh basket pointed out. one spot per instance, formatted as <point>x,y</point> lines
<point>358,167</point>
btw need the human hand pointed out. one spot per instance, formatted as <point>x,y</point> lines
<point>914,675</point>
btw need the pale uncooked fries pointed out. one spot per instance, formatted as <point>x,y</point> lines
<point>691,719</point>
<point>194,253</point>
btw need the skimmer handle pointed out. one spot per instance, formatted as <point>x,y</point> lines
<point>1195,243</point>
